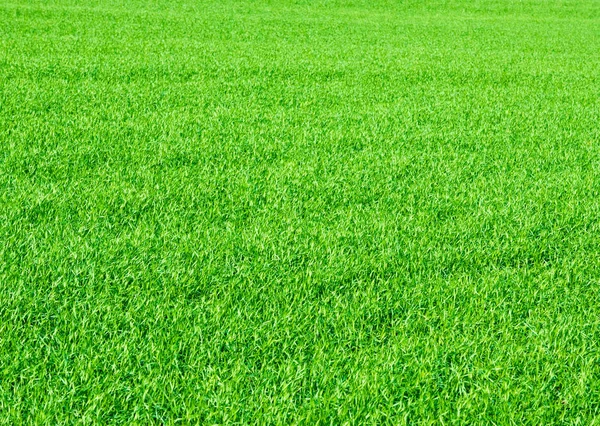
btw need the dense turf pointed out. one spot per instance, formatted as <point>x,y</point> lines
<point>300,211</point>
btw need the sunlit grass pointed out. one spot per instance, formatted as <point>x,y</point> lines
<point>282,212</point>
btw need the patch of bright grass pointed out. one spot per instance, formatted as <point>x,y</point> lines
<point>317,212</point>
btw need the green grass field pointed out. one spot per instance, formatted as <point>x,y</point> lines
<point>314,212</point>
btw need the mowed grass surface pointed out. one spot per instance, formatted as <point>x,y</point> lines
<point>318,212</point>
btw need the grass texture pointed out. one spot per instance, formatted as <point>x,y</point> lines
<point>300,212</point>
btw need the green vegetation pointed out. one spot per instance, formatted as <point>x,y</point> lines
<point>316,212</point>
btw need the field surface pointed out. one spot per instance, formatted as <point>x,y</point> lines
<point>314,212</point>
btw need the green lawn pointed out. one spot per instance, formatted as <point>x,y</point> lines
<point>314,212</point>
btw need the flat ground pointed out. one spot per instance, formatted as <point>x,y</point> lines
<point>300,212</point>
